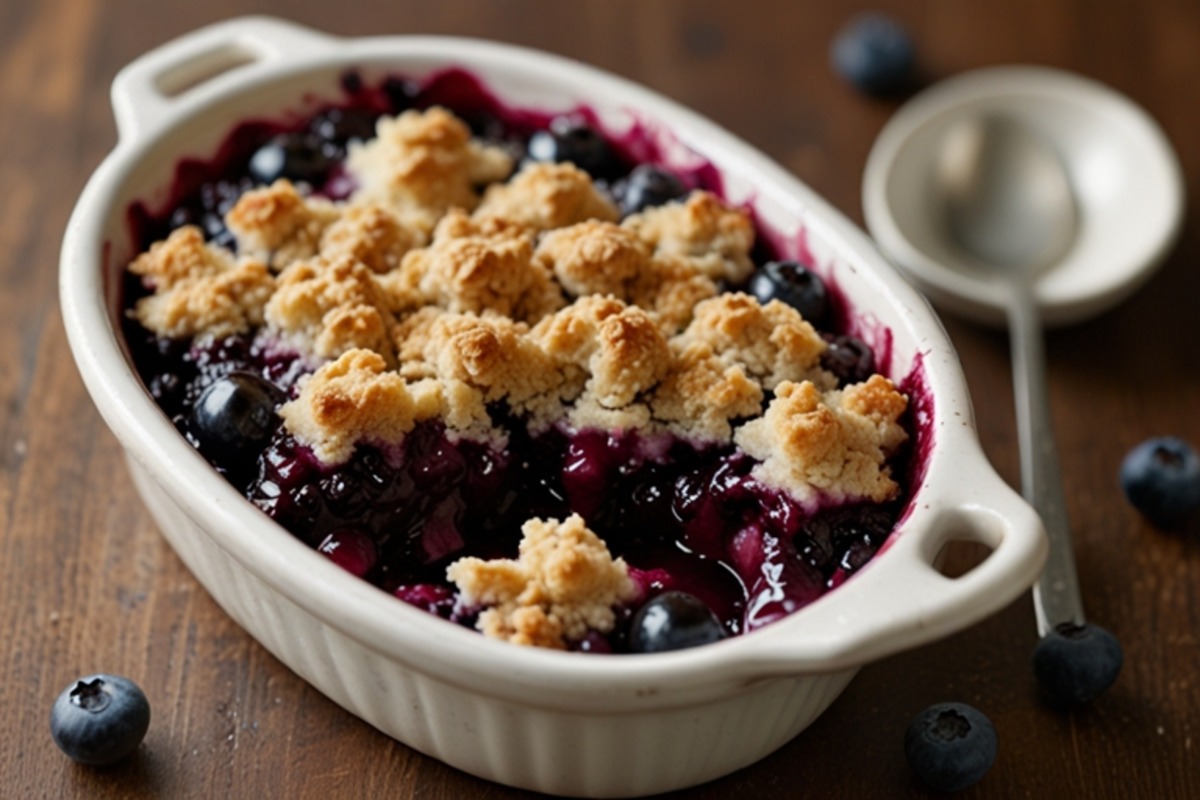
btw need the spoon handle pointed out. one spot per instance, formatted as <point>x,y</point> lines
<point>1056,596</point>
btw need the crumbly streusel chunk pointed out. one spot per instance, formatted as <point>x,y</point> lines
<point>833,444</point>
<point>546,196</point>
<point>357,398</point>
<point>703,394</point>
<point>603,258</point>
<point>620,347</point>
<point>200,289</point>
<point>329,307</point>
<point>563,584</point>
<point>278,225</point>
<point>372,234</point>
<point>491,354</point>
<point>421,164</point>
<point>702,228</point>
<point>773,342</point>
<point>476,267</point>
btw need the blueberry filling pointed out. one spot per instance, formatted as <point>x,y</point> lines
<point>712,550</point>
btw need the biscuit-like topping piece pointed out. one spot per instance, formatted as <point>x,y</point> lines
<point>772,341</point>
<point>357,399</point>
<point>620,347</point>
<point>277,225</point>
<point>423,163</point>
<point>473,268</point>
<point>200,289</point>
<point>595,257</point>
<point>703,394</point>
<point>372,234</point>
<point>603,258</point>
<point>834,444</point>
<point>546,196</point>
<point>702,228</point>
<point>563,584</point>
<point>329,307</point>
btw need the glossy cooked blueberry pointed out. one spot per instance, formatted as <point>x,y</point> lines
<point>792,283</point>
<point>100,719</point>
<point>950,746</point>
<point>848,358</point>
<point>234,418</point>
<point>576,142</point>
<point>299,157</point>
<point>645,187</point>
<point>673,621</point>
<point>1161,479</point>
<point>1075,664</point>
<point>350,549</point>
<point>340,126</point>
<point>874,53</point>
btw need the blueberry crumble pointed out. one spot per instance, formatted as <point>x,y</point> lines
<point>516,372</point>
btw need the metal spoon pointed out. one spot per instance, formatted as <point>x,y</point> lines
<point>1009,207</point>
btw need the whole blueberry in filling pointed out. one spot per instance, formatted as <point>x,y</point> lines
<point>441,351</point>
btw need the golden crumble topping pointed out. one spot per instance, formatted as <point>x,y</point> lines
<point>773,342</point>
<point>328,307</point>
<point>277,225</point>
<point>421,164</point>
<point>476,268</point>
<point>563,584</point>
<point>833,443</point>
<point>547,196</point>
<point>703,229</point>
<point>357,398</point>
<point>421,299</point>
<point>200,289</point>
<point>372,234</point>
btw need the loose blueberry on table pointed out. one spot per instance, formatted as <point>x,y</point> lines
<point>1161,479</point>
<point>1075,664</point>
<point>463,374</point>
<point>100,720</point>
<point>950,746</point>
<point>874,53</point>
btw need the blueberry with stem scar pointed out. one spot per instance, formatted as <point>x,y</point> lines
<point>950,746</point>
<point>1075,664</point>
<point>99,720</point>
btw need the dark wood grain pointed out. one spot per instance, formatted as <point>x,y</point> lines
<point>87,584</point>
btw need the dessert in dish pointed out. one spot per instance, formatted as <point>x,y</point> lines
<point>515,373</point>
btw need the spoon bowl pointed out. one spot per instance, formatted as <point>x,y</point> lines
<point>1006,198</point>
<point>1126,179</point>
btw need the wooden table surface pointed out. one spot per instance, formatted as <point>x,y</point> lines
<point>87,584</point>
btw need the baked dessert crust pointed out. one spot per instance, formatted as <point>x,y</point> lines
<point>420,298</point>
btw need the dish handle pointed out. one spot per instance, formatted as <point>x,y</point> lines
<point>151,90</point>
<point>901,599</point>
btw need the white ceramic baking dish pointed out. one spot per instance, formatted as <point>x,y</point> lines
<point>564,723</point>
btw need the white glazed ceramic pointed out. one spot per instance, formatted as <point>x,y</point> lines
<point>564,723</point>
<point>1126,178</point>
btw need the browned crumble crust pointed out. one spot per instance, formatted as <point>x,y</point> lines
<point>425,301</point>
<point>546,196</point>
<point>603,258</point>
<point>371,234</point>
<point>835,443</point>
<point>421,164</point>
<point>328,307</point>
<point>703,229</point>
<point>200,289</point>
<point>476,267</point>
<point>277,225</point>
<point>357,398</point>
<point>564,584</point>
